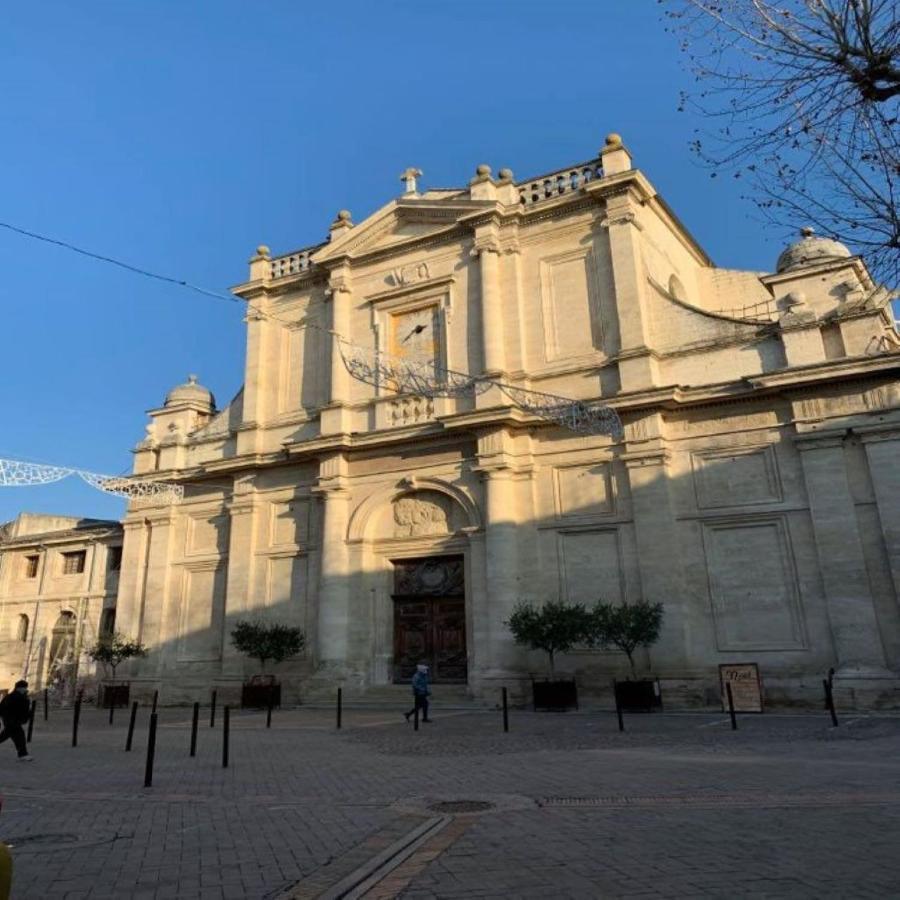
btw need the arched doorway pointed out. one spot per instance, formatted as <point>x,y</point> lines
<point>62,648</point>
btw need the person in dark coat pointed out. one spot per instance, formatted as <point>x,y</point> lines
<point>15,710</point>
<point>421,691</point>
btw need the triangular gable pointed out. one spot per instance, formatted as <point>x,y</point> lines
<point>400,222</point>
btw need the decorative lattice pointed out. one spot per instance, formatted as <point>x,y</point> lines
<point>16,473</point>
<point>406,376</point>
<point>576,415</point>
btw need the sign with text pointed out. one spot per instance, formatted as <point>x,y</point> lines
<point>746,687</point>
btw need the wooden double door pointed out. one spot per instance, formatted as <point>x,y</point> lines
<point>430,619</point>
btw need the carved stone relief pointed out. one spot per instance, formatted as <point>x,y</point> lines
<point>437,576</point>
<point>421,514</point>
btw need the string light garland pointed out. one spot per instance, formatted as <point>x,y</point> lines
<point>18,473</point>
<point>387,372</point>
<point>406,376</point>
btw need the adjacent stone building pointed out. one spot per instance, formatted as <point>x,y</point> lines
<point>58,581</point>
<point>755,491</point>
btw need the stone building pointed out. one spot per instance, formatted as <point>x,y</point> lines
<point>755,491</point>
<point>58,581</point>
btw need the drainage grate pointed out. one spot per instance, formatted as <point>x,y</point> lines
<point>42,839</point>
<point>461,806</point>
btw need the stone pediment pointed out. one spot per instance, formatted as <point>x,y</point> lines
<point>401,223</point>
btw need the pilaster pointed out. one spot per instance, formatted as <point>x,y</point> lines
<point>335,417</point>
<point>882,445</point>
<point>260,379</point>
<point>487,249</point>
<point>242,538</point>
<point>502,577</point>
<point>332,643</point>
<point>637,364</point>
<point>848,595</point>
<point>656,536</point>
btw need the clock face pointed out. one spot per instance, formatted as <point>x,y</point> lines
<point>414,335</point>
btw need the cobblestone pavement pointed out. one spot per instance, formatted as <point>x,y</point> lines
<point>678,806</point>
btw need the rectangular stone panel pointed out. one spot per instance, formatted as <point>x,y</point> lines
<point>584,490</point>
<point>736,476</point>
<point>591,566</point>
<point>206,533</point>
<point>286,589</point>
<point>289,523</point>
<point>570,305</point>
<point>202,615</point>
<point>753,585</point>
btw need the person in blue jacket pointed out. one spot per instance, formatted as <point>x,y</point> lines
<point>421,690</point>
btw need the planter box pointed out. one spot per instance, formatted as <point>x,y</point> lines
<point>554,694</point>
<point>118,695</point>
<point>256,696</point>
<point>643,695</point>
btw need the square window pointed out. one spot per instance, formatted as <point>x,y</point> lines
<point>31,566</point>
<point>73,563</point>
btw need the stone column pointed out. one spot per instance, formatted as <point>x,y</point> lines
<point>883,451</point>
<point>332,643</point>
<point>848,596</point>
<point>659,560</point>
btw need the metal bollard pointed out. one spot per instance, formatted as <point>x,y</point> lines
<point>31,720</point>
<point>131,721</point>
<point>212,711</point>
<point>155,699</point>
<point>269,707</point>
<point>731,705</point>
<point>618,707</point>
<point>75,717</point>
<point>112,709</point>
<point>829,702</point>
<point>416,718</point>
<point>225,728</point>
<point>340,704</point>
<point>46,705</point>
<point>194,722</point>
<point>151,751</point>
<point>505,711</point>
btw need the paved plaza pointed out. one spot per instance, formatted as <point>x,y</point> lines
<point>564,806</point>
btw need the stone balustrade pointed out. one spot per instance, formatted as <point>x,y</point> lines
<point>557,184</point>
<point>295,263</point>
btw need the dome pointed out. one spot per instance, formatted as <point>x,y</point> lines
<point>191,392</point>
<point>809,251</point>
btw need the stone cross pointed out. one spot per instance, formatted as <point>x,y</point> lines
<point>410,176</point>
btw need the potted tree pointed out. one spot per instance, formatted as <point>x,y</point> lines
<point>264,642</point>
<point>627,626</point>
<point>554,628</point>
<point>110,650</point>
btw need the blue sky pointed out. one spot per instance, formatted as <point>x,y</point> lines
<point>178,136</point>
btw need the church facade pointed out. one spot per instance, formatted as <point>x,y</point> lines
<point>754,491</point>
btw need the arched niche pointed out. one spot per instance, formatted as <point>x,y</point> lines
<point>414,507</point>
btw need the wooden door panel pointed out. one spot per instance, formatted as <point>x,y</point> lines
<point>433,630</point>
<point>449,624</point>
<point>412,637</point>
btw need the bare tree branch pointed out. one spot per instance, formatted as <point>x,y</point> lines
<point>804,101</point>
